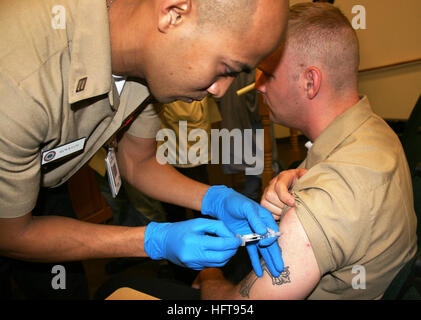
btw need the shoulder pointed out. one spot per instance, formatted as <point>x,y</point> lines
<point>32,32</point>
<point>365,160</point>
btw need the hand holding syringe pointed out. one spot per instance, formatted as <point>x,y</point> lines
<point>256,237</point>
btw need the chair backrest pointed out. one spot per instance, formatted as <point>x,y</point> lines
<point>411,142</point>
<point>411,139</point>
<point>402,286</point>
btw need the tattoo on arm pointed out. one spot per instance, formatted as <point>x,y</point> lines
<point>251,279</point>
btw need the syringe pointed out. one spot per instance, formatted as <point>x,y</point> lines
<point>256,237</point>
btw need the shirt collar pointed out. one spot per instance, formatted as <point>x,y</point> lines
<point>90,67</point>
<point>337,131</point>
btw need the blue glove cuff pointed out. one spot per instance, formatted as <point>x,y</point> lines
<point>155,240</point>
<point>212,199</point>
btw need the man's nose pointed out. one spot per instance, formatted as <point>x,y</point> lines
<point>219,87</point>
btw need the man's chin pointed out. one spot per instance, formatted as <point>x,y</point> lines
<point>167,99</point>
<point>188,99</point>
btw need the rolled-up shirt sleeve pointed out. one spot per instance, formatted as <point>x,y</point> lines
<point>146,124</point>
<point>336,223</point>
<point>23,126</point>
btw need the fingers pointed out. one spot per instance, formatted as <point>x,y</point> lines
<point>218,258</point>
<point>300,172</point>
<point>269,263</point>
<point>275,209</point>
<point>268,221</point>
<point>281,187</point>
<point>270,199</point>
<point>220,243</point>
<point>254,214</point>
<point>271,255</point>
<point>216,227</point>
<point>267,242</point>
<point>255,259</point>
<point>218,250</point>
<point>277,194</point>
<point>275,254</point>
<point>267,218</point>
<point>225,239</point>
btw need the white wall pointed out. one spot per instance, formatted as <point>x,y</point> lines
<point>393,91</point>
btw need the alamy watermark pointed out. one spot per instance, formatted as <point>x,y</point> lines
<point>359,281</point>
<point>359,21</point>
<point>236,145</point>
<point>59,17</point>
<point>58,21</point>
<point>59,280</point>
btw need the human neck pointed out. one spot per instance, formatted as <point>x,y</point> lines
<point>323,111</point>
<point>126,40</point>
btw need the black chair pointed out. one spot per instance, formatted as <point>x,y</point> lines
<point>411,139</point>
<point>411,142</point>
<point>402,287</point>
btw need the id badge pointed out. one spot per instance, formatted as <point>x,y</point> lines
<point>113,173</point>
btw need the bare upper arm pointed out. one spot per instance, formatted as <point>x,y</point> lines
<point>132,151</point>
<point>11,230</point>
<point>301,273</point>
<point>137,148</point>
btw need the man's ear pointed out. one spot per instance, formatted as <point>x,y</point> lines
<point>171,13</point>
<point>313,80</point>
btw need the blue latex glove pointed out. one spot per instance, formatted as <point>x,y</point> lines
<point>187,244</point>
<point>244,216</point>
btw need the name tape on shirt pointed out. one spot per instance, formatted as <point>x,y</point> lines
<point>62,151</point>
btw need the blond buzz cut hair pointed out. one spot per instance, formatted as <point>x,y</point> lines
<point>320,33</point>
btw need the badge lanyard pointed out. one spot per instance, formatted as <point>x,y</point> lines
<point>113,173</point>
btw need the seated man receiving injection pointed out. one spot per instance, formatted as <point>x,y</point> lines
<point>352,227</point>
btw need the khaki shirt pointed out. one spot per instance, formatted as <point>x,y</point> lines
<point>356,206</point>
<point>56,86</point>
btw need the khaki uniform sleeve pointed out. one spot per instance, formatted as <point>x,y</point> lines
<point>337,227</point>
<point>147,124</point>
<point>23,125</point>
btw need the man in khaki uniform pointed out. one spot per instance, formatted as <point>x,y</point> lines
<point>353,225</point>
<point>59,105</point>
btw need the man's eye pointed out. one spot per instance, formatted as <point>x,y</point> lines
<point>230,73</point>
